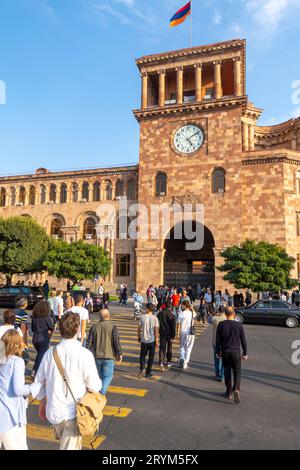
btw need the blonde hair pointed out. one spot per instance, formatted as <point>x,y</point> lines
<point>14,344</point>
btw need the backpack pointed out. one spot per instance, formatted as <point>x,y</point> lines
<point>89,410</point>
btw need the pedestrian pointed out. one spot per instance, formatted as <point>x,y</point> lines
<point>150,292</point>
<point>124,295</point>
<point>297,298</point>
<point>89,304</point>
<point>13,392</point>
<point>58,305</point>
<point>9,318</point>
<point>208,297</point>
<point>22,317</point>
<point>184,297</point>
<point>51,304</point>
<point>42,328</point>
<point>202,312</point>
<point>191,294</point>
<point>161,296</point>
<point>236,300</point>
<point>218,318</point>
<point>69,286</point>
<point>104,342</point>
<point>56,402</point>
<point>69,301</point>
<point>76,286</point>
<point>148,338</point>
<point>248,298</point>
<point>46,288</point>
<point>83,315</point>
<point>185,326</point>
<point>167,333</point>
<point>230,339</point>
<point>175,299</point>
<point>199,290</point>
<point>105,299</point>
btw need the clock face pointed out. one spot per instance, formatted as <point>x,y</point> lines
<point>188,139</point>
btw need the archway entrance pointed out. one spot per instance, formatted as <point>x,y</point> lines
<point>185,267</point>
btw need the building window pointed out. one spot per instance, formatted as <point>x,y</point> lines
<point>22,195</point>
<point>218,181</point>
<point>131,190</point>
<point>123,265</point>
<point>108,191</point>
<point>56,228</point>
<point>13,196</point>
<point>75,192</point>
<point>96,191</point>
<point>43,194</point>
<point>89,229</point>
<point>85,191</point>
<point>63,194</point>
<point>52,197</point>
<point>3,198</point>
<point>120,189</point>
<point>32,196</point>
<point>298,223</point>
<point>161,184</point>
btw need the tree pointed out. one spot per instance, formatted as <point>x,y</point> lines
<point>258,266</point>
<point>23,246</point>
<point>77,261</point>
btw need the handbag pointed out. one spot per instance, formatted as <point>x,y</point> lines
<point>89,410</point>
<point>192,328</point>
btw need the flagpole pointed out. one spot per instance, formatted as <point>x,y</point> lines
<point>191,26</point>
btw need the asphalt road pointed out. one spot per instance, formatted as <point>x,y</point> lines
<point>185,410</point>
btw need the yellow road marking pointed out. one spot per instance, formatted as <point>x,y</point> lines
<point>46,434</point>
<point>136,392</point>
<point>116,411</point>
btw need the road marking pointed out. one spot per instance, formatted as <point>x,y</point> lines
<point>136,392</point>
<point>116,411</point>
<point>46,434</point>
<point>154,378</point>
<point>132,364</point>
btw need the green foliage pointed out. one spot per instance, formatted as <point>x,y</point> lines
<point>77,261</point>
<point>258,266</point>
<point>23,246</point>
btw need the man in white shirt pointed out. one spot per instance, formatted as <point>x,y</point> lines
<point>83,315</point>
<point>57,404</point>
<point>58,305</point>
<point>184,322</point>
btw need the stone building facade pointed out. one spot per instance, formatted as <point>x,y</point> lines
<point>199,144</point>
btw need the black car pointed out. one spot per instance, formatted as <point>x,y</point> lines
<point>97,303</point>
<point>10,295</point>
<point>269,312</point>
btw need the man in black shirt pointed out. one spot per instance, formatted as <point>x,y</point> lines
<point>230,340</point>
<point>167,331</point>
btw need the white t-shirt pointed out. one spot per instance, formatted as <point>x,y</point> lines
<point>185,320</point>
<point>57,301</point>
<point>84,315</point>
<point>5,328</point>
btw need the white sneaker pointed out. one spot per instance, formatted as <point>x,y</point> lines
<point>185,366</point>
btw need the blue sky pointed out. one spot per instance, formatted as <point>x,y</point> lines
<point>71,80</point>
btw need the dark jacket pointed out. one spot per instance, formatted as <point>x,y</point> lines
<point>40,327</point>
<point>231,338</point>
<point>167,323</point>
<point>104,341</point>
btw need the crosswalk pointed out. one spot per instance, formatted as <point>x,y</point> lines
<point>127,370</point>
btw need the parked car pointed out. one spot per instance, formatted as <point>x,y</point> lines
<point>269,312</point>
<point>97,302</point>
<point>10,295</point>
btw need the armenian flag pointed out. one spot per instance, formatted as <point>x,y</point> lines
<point>181,15</point>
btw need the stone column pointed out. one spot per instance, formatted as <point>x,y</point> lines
<point>144,90</point>
<point>179,85</point>
<point>198,82</point>
<point>237,76</point>
<point>162,88</point>
<point>245,136</point>
<point>251,137</point>
<point>218,79</point>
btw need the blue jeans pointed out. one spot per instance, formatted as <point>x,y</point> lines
<point>219,368</point>
<point>105,369</point>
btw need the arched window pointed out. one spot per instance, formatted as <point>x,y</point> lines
<point>120,188</point>
<point>13,196</point>
<point>56,228</point>
<point>3,197</point>
<point>52,193</point>
<point>108,191</point>
<point>89,229</point>
<point>131,190</point>
<point>63,193</point>
<point>85,191</point>
<point>32,196</point>
<point>22,195</point>
<point>96,191</point>
<point>218,181</point>
<point>43,194</point>
<point>161,184</point>
<point>75,192</point>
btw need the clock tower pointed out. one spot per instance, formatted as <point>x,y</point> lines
<point>194,121</point>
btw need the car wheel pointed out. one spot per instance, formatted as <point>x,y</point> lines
<point>291,322</point>
<point>239,318</point>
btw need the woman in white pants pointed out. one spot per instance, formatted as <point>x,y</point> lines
<point>13,392</point>
<point>185,321</point>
